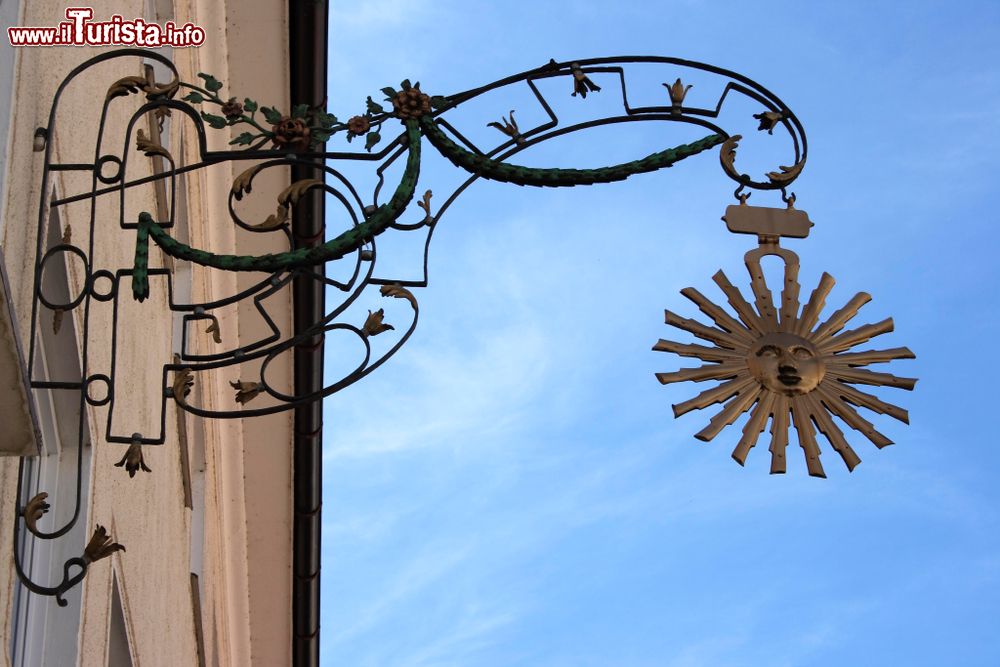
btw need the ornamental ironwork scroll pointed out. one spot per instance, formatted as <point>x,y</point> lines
<point>770,361</point>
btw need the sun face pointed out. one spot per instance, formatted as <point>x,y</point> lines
<point>786,364</point>
<point>783,367</point>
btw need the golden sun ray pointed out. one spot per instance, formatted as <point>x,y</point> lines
<point>849,339</point>
<point>730,413</point>
<point>861,376</point>
<point>711,334</point>
<point>837,406</point>
<point>779,434</point>
<point>863,400</point>
<point>712,396</point>
<point>875,356</point>
<point>699,351</point>
<point>807,438</point>
<point>840,318</point>
<point>810,314</point>
<point>832,433</point>
<point>702,373</point>
<point>743,308</point>
<point>782,367</point>
<point>721,318</point>
<point>754,427</point>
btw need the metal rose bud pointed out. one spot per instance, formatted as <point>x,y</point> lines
<point>373,324</point>
<point>358,125</point>
<point>132,461</point>
<point>290,133</point>
<point>411,103</point>
<point>232,109</point>
<point>100,546</point>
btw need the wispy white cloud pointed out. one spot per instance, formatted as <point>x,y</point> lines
<point>482,391</point>
<point>427,568</point>
<point>461,644</point>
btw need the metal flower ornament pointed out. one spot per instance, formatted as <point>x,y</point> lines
<point>775,361</point>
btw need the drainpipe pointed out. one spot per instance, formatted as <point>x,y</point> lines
<point>307,27</point>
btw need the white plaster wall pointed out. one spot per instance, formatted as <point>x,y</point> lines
<point>146,514</point>
<point>246,557</point>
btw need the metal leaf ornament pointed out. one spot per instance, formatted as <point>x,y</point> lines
<point>34,511</point>
<point>183,383</point>
<point>783,366</point>
<point>398,292</point>
<point>149,147</point>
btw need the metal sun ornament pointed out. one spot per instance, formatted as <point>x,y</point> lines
<point>779,363</point>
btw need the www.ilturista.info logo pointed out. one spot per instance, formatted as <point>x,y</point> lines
<point>79,30</point>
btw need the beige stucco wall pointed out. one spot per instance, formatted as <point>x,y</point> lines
<point>252,64</point>
<point>246,547</point>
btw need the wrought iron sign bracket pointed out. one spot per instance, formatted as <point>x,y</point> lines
<point>777,362</point>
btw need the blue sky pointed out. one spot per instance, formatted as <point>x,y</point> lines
<point>512,488</point>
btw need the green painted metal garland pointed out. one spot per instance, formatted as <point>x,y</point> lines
<point>385,215</point>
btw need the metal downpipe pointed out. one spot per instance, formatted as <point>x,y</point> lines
<point>307,46</point>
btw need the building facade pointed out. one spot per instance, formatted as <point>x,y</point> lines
<point>205,576</point>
